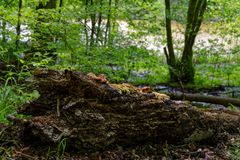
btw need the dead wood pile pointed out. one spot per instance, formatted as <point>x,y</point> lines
<point>93,114</point>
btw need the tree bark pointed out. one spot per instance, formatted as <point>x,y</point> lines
<point>18,28</point>
<point>183,70</point>
<point>86,27</point>
<point>202,98</point>
<point>196,10</point>
<point>60,6</point>
<point>99,32</point>
<point>169,52</point>
<point>4,24</point>
<point>171,56</point>
<point>114,29</point>
<point>108,24</point>
<point>93,114</point>
<point>93,21</point>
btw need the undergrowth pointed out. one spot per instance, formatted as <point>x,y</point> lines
<point>141,66</point>
<point>13,96</point>
<point>5,152</point>
<point>234,150</point>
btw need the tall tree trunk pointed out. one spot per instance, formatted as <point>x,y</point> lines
<point>93,27</point>
<point>18,28</point>
<point>60,6</point>
<point>98,35</point>
<point>4,24</point>
<point>169,52</point>
<point>86,26</point>
<point>114,29</point>
<point>196,10</point>
<point>183,71</point>
<point>59,17</point>
<point>108,24</point>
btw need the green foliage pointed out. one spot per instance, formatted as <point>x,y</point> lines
<point>234,150</point>
<point>57,152</point>
<point>133,64</point>
<point>12,97</point>
<point>5,151</point>
<point>62,147</point>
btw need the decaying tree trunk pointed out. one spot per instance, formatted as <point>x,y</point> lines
<point>203,98</point>
<point>93,114</point>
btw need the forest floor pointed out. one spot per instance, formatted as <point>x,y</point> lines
<point>35,151</point>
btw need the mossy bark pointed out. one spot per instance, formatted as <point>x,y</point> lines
<point>183,70</point>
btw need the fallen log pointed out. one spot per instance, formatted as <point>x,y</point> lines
<point>93,114</point>
<point>226,101</point>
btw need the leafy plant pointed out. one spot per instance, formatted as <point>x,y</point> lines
<point>11,97</point>
<point>234,150</point>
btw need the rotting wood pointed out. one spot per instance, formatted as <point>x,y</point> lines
<point>95,115</point>
<point>205,98</point>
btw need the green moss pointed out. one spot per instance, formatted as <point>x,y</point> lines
<point>199,135</point>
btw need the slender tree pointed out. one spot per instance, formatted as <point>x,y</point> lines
<point>97,12</point>
<point>108,25</point>
<point>93,21</point>
<point>196,10</point>
<point>86,26</point>
<point>170,56</point>
<point>18,28</point>
<point>4,25</point>
<point>99,22</point>
<point>60,6</point>
<point>183,69</point>
<point>115,15</point>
